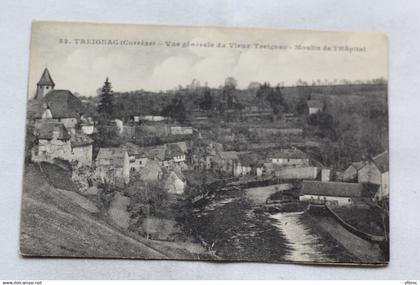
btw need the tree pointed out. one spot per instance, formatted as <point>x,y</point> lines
<point>254,86</point>
<point>207,102</point>
<point>230,83</point>
<point>228,99</point>
<point>276,101</point>
<point>146,199</point>
<point>274,97</point>
<point>176,110</point>
<point>195,84</point>
<point>301,105</point>
<point>106,100</point>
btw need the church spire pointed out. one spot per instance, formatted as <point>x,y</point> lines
<point>44,85</point>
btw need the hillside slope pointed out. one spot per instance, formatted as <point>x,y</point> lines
<point>54,225</point>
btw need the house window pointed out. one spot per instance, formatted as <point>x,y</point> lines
<point>132,169</point>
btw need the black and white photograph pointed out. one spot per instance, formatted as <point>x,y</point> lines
<point>211,144</point>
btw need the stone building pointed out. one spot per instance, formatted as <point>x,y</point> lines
<point>113,165</point>
<point>54,141</point>
<point>376,171</point>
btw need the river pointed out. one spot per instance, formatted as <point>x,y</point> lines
<point>303,245</point>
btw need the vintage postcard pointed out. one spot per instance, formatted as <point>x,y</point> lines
<point>200,143</point>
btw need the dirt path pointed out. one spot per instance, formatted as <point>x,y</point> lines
<point>304,245</point>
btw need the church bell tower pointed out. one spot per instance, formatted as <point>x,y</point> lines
<point>44,85</point>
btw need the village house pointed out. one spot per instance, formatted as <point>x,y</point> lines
<point>242,168</point>
<point>113,165</point>
<point>137,156</point>
<point>152,172</point>
<point>82,148</point>
<point>210,153</point>
<point>175,183</point>
<point>157,153</point>
<point>351,172</point>
<point>291,157</point>
<point>87,125</point>
<point>54,141</point>
<point>226,161</point>
<point>56,114</point>
<point>174,154</point>
<point>315,106</point>
<point>376,171</point>
<point>61,106</point>
<point>54,104</point>
<point>249,163</point>
<point>336,193</point>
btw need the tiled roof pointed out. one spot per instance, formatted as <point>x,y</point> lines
<point>173,150</point>
<point>80,139</point>
<point>133,149</point>
<point>358,165</point>
<point>150,170</point>
<point>156,152</point>
<point>63,104</point>
<point>382,161</point>
<point>338,189</point>
<point>183,146</point>
<point>46,78</point>
<point>112,156</point>
<point>250,159</point>
<point>46,130</point>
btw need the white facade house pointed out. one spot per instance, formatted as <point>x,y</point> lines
<point>315,106</point>
<point>87,128</point>
<point>288,157</point>
<point>335,193</point>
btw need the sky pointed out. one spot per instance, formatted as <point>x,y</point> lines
<point>80,56</point>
